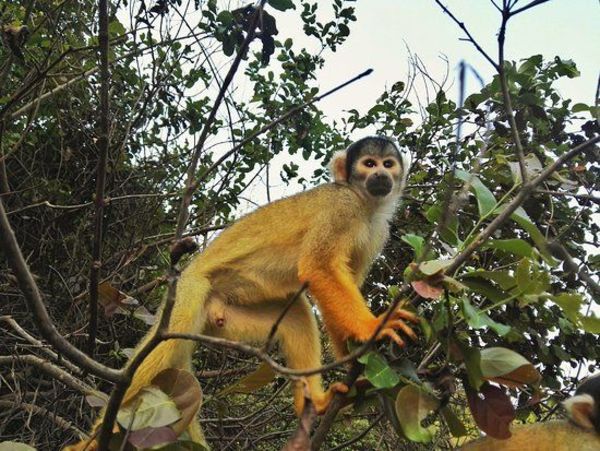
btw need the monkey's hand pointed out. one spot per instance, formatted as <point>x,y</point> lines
<point>396,321</point>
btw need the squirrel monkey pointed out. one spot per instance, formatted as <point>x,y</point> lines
<point>582,433</point>
<point>326,237</point>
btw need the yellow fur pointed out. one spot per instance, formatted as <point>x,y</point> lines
<point>238,286</point>
<point>549,436</point>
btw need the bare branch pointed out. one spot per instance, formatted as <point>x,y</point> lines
<point>38,309</point>
<point>528,6</point>
<point>103,144</point>
<point>272,124</point>
<point>32,408</point>
<point>55,371</point>
<point>190,185</point>
<point>284,312</point>
<point>506,96</point>
<point>35,342</point>
<point>469,36</point>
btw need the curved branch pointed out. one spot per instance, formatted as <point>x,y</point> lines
<point>38,310</point>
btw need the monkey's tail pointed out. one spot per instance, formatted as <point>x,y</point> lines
<point>189,317</point>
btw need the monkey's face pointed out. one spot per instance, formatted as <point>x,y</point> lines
<point>373,166</point>
<point>378,175</point>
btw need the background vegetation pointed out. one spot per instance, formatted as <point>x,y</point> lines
<point>495,245</point>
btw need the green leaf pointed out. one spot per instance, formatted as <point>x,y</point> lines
<point>282,5</point>
<point>502,278</point>
<point>579,107</point>
<point>486,289</point>
<point>151,407</point>
<point>530,65</point>
<point>515,246</point>
<point>415,241</point>
<point>378,372</point>
<point>521,218</point>
<point>225,17</point>
<point>432,267</point>
<point>486,202</point>
<point>590,324</point>
<point>184,390</point>
<point>531,280</point>
<point>499,361</point>
<point>413,404</point>
<point>449,232</point>
<point>115,28</point>
<point>570,305</point>
<point>533,167</point>
<point>523,277</point>
<point>472,360</point>
<point>480,320</point>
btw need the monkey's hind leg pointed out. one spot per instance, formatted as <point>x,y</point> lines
<point>297,335</point>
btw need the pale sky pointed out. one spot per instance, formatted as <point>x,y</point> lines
<point>568,28</point>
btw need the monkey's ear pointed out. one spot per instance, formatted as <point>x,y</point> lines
<point>581,410</point>
<point>337,166</point>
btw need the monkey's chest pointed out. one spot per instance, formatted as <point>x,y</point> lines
<point>368,244</point>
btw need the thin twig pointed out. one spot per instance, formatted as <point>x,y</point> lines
<point>510,208</point>
<point>353,440</point>
<point>120,389</point>
<point>38,344</point>
<point>190,185</point>
<point>583,197</point>
<point>284,312</point>
<point>272,124</point>
<point>103,144</point>
<point>55,371</point>
<point>466,31</point>
<point>32,408</point>
<point>506,95</point>
<point>37,308</point>
<point>528,6</point>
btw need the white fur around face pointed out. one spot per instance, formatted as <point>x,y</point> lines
<point>337,166</point>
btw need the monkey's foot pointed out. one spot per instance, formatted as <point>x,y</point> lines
<point>396,321</point>
<point>321,402</point>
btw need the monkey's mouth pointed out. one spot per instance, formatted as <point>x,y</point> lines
<point>379,187</point>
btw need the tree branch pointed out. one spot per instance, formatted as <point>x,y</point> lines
<point>103,144</point>
<point>37,308</point>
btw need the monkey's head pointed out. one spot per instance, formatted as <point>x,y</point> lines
<point>374,166</point>
<point>584,408</point>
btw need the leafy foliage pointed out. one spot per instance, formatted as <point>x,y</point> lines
<point>515,314</point>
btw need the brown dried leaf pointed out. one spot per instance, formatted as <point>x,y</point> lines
<point>425,290</point>
<point>494,413</point>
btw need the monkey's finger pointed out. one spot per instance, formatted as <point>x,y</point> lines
<point>399,324</point>
<point>391,334</point>
<point>405,314</point>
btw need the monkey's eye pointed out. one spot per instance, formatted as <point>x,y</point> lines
<point>370,163</point>
<point>388,163</point>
